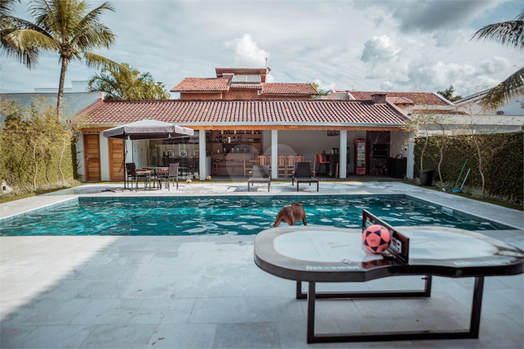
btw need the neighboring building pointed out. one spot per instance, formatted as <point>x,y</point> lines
<point>76,86</point>
<point>461,117</point>
<point>74,102</point>
<point>409,102</point>
<point>230,132</point>
<point>473,105</point>
<point>242,83</point>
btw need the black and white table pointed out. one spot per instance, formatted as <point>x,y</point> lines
<point>325,254</point>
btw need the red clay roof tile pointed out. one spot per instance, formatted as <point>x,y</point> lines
<point>419,98</point>
<point>194,112</point>
<point>202,85</point>
<point>289,89</point>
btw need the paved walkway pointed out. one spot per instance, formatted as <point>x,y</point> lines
<point>206,292</point>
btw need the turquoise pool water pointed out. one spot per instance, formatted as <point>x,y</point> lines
<point>226,215</point>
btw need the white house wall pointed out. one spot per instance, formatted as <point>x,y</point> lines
<point>80,156</point>
<point>104,158</point>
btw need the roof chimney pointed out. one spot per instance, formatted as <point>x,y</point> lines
<point>378,98</point>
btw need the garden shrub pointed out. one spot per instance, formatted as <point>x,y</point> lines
<point>35,147</point>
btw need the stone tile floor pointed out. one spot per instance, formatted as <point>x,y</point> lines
<point>206,292</point>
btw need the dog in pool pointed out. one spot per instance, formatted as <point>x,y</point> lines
<point>291,214</point>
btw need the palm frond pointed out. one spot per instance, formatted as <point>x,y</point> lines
<point>24,39</point>
<point>509,33</point>
<point>97,61</point>
<point>7,7</point>
<point>511,87</point>
<point>93,16</point>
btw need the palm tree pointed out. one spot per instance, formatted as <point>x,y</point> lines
<point>115,85</point>
<point>61,26</point>
<point>509,33</point>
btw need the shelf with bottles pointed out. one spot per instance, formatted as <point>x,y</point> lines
<point>234,136</point>
<point>247,148</point>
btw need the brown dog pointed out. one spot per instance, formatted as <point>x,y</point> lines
<point>291,214</point>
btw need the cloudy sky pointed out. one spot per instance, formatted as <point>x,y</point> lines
<point>395,45</point>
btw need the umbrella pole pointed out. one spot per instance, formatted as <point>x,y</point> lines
<point>125,167</point>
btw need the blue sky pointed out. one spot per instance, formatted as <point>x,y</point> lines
<point>396,45</point>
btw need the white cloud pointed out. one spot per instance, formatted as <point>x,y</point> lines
<point>247,54</point>
<point>343,44</point>
<point>379,48</point>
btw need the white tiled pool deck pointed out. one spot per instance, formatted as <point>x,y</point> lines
<point>206,292</point>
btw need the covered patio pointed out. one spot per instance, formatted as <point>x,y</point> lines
<point>231,136</point>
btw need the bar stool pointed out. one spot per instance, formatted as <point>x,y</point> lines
<point>214,169</point>
<point>336,170</point>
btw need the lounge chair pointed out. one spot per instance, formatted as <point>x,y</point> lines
<point>303,174</point>
<point>260,174</point>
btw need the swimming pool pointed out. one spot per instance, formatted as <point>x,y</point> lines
<point>220,215</point>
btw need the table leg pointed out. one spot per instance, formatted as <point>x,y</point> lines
<point>472,332</point>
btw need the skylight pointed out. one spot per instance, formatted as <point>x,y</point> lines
<point>242,79</point>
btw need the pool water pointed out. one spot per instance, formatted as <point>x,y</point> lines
<point>227,215</point>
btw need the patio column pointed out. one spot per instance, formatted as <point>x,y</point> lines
<point>274,154</point>
<point>411,156</point>
<point>202,154</point>
<point>342,167</point>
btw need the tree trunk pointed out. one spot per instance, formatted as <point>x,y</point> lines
<point>36,166</point>
<point>439,163</point>
<point>60,99</point>
<point>60,161</point>
<point>422,152</point>
<point>480,164</point>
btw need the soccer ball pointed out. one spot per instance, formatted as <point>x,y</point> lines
<point>376,238</point>
<point>188,181</point>
<point>208,178</point>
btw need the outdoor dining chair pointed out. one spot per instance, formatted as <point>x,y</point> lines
<point>303,174</point>
<point>171,174</point>
<point>321,163</point>
<point>260,174</point>
<point>135,175</point>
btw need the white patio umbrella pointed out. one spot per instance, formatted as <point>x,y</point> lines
<point>146,129</point>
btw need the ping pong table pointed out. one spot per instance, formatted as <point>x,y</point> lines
<point>332,255</point>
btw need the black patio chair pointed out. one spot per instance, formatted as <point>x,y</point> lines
<point>303,174</point>
<point>260,174</point>
<point>134,175</point>
<point>166,177</point>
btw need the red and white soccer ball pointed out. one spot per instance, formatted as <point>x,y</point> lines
<point>376,238</point>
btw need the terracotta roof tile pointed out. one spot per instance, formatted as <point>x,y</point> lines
<point>419,98</point>
<point>438,111</point>
<point>202,85</point>
<point>289,89</point>
<point>399,100</point>
<point>195,112</point>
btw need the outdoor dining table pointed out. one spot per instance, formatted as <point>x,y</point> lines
<point>156,170</point>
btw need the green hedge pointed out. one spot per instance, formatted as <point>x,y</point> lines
<point>35,147</point>
<point>502,161</point>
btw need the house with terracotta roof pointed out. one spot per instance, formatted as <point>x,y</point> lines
<point>460,117</point>
<point>233,133</point>
<point>242,83</point>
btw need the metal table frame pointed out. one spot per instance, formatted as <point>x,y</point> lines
<point>312,295</point>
